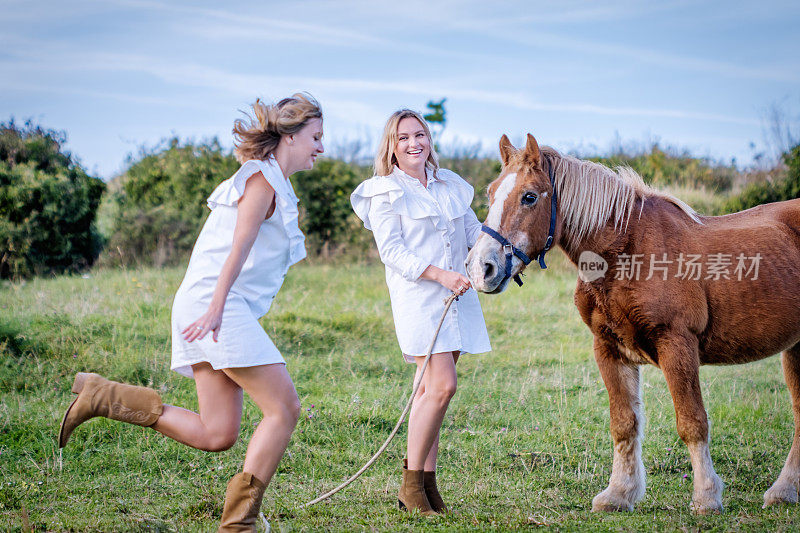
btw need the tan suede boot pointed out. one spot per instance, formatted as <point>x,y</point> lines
<point>98,396</point>
<point>412,493</point>
<point>432,492</point>
<point>242,502</point>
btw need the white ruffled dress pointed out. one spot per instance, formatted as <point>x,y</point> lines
<point>242,342</point>
<point>414,227</point>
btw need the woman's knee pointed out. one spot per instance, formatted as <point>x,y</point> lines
<point>221,440</point>
<point>294,408</point>
<point>442,391</point>
<point>287,411</point>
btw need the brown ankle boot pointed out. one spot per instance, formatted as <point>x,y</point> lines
<point>432,492</point>
<point>242,502</point>
<point>412,493</point>
<point>98,396</point>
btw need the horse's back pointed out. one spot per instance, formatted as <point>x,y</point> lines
<point>772,228</point>
<point>786,212</point>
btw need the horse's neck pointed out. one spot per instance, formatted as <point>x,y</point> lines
<point>584,224</point>
<point>606,241</point>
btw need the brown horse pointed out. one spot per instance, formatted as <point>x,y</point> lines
<point>658,284</point>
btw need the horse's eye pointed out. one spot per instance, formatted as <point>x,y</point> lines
<point>529,198</point>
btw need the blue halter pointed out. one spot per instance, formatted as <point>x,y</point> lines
<point>511,250</point>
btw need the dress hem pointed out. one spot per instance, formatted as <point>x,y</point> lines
<point>410,358</point>
<point>185,369</point>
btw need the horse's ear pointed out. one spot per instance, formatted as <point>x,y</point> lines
<point>506,149</point>
<point>532,154</point>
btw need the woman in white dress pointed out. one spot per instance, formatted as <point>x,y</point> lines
<point>238,263</point>
<point>423,226</point>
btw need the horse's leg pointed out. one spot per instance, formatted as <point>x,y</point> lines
<point>785,487</point>
<point>627,483</point>
<point>679,361</point>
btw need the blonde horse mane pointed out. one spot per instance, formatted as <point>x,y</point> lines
<point>590,194</point>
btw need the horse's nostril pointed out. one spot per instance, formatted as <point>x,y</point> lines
<point>488,270</point>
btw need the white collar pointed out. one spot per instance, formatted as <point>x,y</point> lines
<point>429,174</point>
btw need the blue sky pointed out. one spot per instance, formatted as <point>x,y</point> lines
<point>117,74</point>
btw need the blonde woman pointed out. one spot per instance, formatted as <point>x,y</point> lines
<point>237,267</point>
<point>423,225</point>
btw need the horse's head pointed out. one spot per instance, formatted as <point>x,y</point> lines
<point>520,207</point>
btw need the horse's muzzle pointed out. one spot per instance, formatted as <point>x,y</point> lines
<point>486,271</point>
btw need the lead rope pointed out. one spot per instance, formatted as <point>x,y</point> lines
<point>447,303</point>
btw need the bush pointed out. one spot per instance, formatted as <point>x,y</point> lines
<point>161,202</point>
<point>47,204</point>
<point>786,187</point>
<point>660,167</point>
<point>158,236</point>
<point>479,172</point>
<point>326,215</point>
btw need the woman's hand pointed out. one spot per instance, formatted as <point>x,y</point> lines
<point>210,321</point>
<point>454,281</point>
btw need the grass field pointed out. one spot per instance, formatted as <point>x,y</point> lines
<point>525,443</point>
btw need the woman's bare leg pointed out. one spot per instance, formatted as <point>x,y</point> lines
<point>216,427</point>
<point>429,408</point>
<point>430,461</point>
<point>272,390</point>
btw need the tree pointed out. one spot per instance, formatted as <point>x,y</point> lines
<point>48,204</point>
<point>437,118</point>
<point>161,204</point>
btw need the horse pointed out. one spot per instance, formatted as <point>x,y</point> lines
<point>658,284</point>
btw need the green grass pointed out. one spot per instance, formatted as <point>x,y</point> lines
<point>525,442</point>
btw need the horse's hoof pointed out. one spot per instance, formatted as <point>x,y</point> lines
<point>706,508</point>
<point>611,508</point>
<point>778,494</point>
<point>609,503</point>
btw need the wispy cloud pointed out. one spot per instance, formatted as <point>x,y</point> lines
<point>247,21</point>
<point>522,15</point>
<point>538,39</point>
<point>48,88</point>
<point>242,84</point>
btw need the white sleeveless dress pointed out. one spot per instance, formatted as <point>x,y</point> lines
<point>242,342</point>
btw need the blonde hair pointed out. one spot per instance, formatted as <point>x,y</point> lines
<point>259,135</point>
<point>385,159</point>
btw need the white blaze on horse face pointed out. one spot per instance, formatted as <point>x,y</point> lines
<point>485,244</point>
<point>495,215</point>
